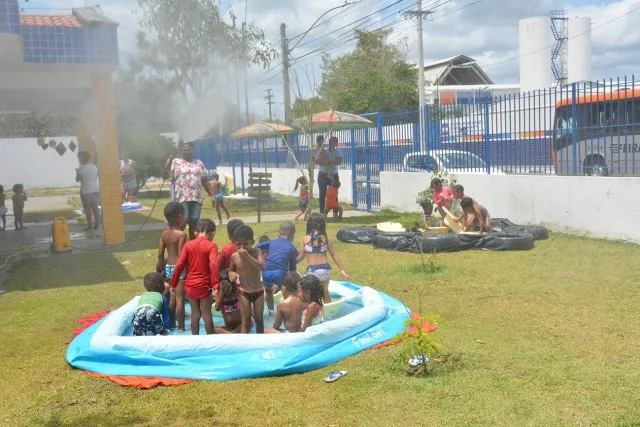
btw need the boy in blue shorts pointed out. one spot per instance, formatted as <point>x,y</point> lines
<point>281,259</point>
<point>216,186</point>
<point>152,315</point>
<point>172,241</point>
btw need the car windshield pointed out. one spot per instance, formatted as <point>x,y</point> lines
<point>462,161</point>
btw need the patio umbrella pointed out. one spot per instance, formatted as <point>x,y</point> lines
<point>263,130</point>
<point>333,120</point>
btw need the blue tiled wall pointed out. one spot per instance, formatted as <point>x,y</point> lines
<point>9,16</point>
<point>71,45</point>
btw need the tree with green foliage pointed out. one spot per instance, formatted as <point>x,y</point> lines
<point>302,107</point>
<point>189,42</point>
<point>375,77</point>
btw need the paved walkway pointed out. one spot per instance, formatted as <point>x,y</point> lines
<point>253,219</point>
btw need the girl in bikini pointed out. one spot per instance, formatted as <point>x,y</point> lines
<point>312,295</point>
<point>304,197</point>
<point>228,303</point>
<point>314,248</point>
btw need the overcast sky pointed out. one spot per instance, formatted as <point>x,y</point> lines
<point>486,30</point>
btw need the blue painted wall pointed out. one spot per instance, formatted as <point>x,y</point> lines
<point>9,17</point>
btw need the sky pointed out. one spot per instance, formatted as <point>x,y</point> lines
<point>486,30</point>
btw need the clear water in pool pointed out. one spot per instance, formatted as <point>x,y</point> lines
<point>345,308</point>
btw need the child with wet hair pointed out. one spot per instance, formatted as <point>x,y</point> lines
<point>291,307</point>
<point>312,294</point>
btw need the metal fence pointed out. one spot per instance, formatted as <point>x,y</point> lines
<point>588,128</point>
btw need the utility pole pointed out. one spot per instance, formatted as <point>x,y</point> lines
<point>285,73</point>
<point>420,14</point>
<point>270,102</point>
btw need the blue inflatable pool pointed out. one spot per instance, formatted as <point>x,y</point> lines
<point>367,318</point>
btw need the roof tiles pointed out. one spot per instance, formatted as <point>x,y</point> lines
<point>50,20</point>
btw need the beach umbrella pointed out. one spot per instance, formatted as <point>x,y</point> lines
<point>333,120</point>
<point>263,130</point>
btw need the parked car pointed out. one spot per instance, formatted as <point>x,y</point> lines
<point>452,161</point>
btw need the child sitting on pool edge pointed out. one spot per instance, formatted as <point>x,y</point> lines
<point>248,263</point>
<point>280,258</point>
<point>312,295</point>
<point>152,315</point>
<point>291,307</point>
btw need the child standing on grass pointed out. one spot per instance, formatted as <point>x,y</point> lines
<point>281,258</point>
<point>474,216</point>
<point>248,263</point>
<point>200,259</point>
<point>442,196</point>
<point>312,295</point>
<point>228,303</point>
<point>3,208</point>
<point>332,203</point>
<point>304,197</point>
<point>216,186</point>
<point>172,241</point>
<point>314,248</point>
<point>152,315</point>
<point>291,307</point>
<point>230,248</point>
<point>19,197</point>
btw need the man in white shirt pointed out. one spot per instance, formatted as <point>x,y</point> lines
<point>87,176</point>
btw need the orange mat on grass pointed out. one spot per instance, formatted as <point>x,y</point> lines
<point>143,383</point>
<point>426,327</point>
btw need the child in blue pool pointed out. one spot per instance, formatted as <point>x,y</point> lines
<point>281,258</point>
<point>152,315</point>
<point>290,309</point>
<point>312,293</point>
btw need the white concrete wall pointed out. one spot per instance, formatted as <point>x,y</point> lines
<point>600,207</point>
<point>23,161</point>
<point>284,179</point>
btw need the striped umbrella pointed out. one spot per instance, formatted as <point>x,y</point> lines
<point>263,130</point>
<point>333,120</point>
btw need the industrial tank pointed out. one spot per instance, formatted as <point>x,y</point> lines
<point>579,52</point>
<point>536,40</point>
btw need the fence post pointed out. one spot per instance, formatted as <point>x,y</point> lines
<point>277,153</point>
<point>367,164</point>
<point>233,165</point>
<point>426,127</point>
<point>354,172</point>
<point>487,134</point>
<point>574,130</point>
<point>380,143</point>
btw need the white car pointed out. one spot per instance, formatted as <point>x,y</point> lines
<point>453,161</point>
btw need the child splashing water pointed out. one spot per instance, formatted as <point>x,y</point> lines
<point>304,197</point>
<point>312,295</point>
<point>248,263</point>
<point>152,315</point>
<point>314,248</point>
<point>200,258</point>
<point>3,208</point>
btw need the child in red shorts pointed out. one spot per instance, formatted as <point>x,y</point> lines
<point>331,203</point>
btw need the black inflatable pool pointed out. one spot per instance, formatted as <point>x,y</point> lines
<point>507,236</point>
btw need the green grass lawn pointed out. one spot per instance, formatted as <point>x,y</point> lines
<point>547,337</point>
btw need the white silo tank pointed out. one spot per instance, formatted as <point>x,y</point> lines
<point>535,54</point>
<point>579,49</point>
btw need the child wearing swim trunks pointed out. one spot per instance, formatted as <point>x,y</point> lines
<point>312,295</point>
<point>280,258</point>
<point>228,303</point>
<point>291,307</point>
<point>314,248</point>
<point>216,186</point>
<point>474,216</point>
<point>200,258</point>
<point>172,241</point>
<point>230,248</point>
<point>248,263</point>
<point>303,204</point>
<point>152,315</point>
